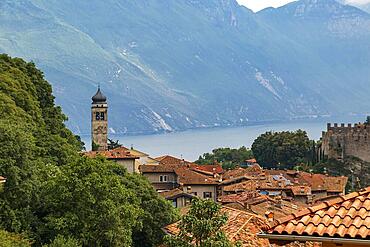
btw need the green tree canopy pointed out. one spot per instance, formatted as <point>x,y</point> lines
<point>54,195</point>
<point>8,239</point>
<point>282,149</point>
<point>201,227</point>
<point>228,157</point>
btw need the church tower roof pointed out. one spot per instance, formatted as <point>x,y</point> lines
<point>99,97</point>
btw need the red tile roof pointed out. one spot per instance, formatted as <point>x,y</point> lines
<point>251,161</point>
<point>241,226</point>
<point>117,153</point>
<point>343,217</point>
<point>170,160</point>
<point>187,176</point>
<point>240,198</point>
<point>175,193</point>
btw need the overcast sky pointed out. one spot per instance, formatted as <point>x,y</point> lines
<point>257,5</point>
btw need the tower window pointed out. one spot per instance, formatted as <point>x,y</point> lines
<point>102,116</point>
<point>97,116</point>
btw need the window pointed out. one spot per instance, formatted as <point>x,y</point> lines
<point>97,115</point>
<point>207,195</point>
<point>102,116</point>
<point>174,203</point>
<point>194,193</point>
<point>163,178</point>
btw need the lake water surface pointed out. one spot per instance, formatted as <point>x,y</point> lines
<point>190,144</point>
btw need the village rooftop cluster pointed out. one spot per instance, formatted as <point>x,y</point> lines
<point>264,206</point>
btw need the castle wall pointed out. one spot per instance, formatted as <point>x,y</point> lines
<point>340,141</point>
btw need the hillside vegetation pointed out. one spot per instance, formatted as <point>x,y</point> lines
<point>52,194</point>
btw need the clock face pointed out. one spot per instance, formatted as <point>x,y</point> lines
<point>99,116</point>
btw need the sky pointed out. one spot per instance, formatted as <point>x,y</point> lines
<point>257,5</point>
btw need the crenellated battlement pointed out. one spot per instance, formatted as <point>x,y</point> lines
<point>342,140</point>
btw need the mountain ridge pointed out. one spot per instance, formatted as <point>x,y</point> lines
<point>169,66</point>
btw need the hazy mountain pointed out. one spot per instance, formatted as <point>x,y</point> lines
<point>173,65</point>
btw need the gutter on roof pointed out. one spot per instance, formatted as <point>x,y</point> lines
<point>314,239</point>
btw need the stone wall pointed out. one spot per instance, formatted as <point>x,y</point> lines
<point>341,141</point>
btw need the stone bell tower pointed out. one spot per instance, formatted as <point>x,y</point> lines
<point>99,122</point>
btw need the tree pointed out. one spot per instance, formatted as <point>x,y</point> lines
<point>113,144</point>
<point>52,193</point>
<point>201,227</point>
<point>228,157</point>
<point>157,212</point>
<point>283,149</point>
<point>61,241</point>
<point>89,201</point>
<point>8,239</point>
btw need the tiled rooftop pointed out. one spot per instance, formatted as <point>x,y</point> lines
<point>174,194</point>
<point>189,177</point>
<point>170,160</point>
<point>343,217</point>
<point>117,153</point>
<point>241,226</point>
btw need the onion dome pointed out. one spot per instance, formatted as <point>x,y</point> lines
<point>99,97</point>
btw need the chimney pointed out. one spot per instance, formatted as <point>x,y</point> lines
<point>269,215</point>
<point>188,189</point>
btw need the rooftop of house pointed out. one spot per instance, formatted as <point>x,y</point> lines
<point>175,193</point>
<point>241,226</point>
<point>288,178</point>
<point>252,161</point>
<point>190,177</point>
<point>185,175</point>
<point>170,160</point>
<point>135,152</point>
<point>117,153</point>
<point>343,217</point>
<point>240,198</point>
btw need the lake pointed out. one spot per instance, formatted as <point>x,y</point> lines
<point>190,144</point>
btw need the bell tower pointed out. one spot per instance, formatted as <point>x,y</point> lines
<point>99,122</point>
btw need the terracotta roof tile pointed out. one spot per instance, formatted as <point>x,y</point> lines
<point>171,194</point>
<point>117,153</point>
<point>187,176</point>
<point>344,217</point>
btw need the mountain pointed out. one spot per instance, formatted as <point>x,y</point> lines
<point>362,5</point>
<point>175,65</point>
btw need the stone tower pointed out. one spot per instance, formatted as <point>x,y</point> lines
<point>99,122</point>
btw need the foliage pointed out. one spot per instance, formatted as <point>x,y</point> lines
<point>89,201</point>
<point>52,193</point>
<point>228,157</point>
<point>61,241</point>
<point>113,144</point>
<point>283,149</point>
<point>13,240</point>
<point>201,227</point>
<point>157,212</point>
<point>94,146</point>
